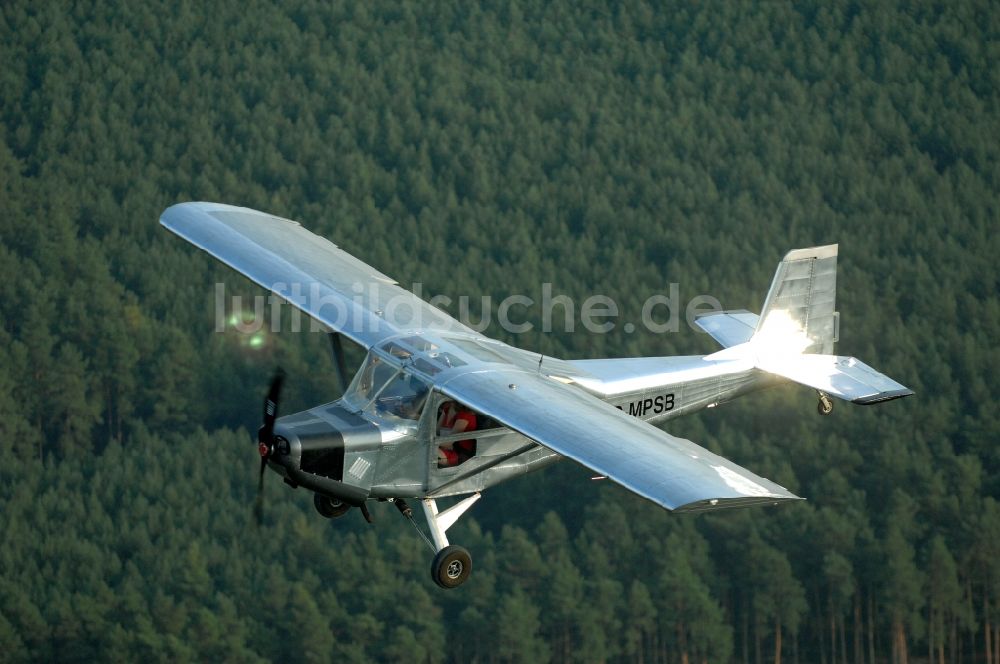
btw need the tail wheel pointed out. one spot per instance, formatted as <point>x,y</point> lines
<point>331,508</point>
<point>451,567</point>
<point>825,405</point>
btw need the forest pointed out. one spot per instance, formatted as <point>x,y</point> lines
<point>486,149</point>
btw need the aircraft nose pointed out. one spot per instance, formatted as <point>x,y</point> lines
<point>310,448</point>
<point>281,454</point>
<point>309,444</point>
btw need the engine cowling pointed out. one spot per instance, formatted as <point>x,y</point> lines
<point>311,448</point>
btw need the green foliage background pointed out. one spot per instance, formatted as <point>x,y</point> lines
<point>485,150</point>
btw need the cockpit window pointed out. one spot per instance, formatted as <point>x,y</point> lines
<point>397,350</point>
<point>422,365</point>
<point>403,397</point>
<point>387,391</point>
<point>420,344</point>
<point>435,363</point>
<point>373,376</point>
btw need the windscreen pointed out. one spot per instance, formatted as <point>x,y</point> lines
<point>386,391</point>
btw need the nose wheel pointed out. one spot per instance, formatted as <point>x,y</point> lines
<point>825,405</point>
<point>331,508</point>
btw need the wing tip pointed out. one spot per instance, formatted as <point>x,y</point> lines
<point>175,215</point>
<point>177,211</point>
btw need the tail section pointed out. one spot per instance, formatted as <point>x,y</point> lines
<point>795,333</point>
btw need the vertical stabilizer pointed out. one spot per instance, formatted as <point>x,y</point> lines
<point>802,301</point>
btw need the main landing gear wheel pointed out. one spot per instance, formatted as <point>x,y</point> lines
<point>825,405</point>
<point>331,508</point>
<point>451,567</point>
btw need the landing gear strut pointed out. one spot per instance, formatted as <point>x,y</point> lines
<point>825,405</point>
<point>452,564</point>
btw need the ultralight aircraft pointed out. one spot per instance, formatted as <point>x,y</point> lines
<point>438,410</point>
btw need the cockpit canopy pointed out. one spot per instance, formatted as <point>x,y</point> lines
<point>386,391</point>
<point>389,385</point>
<point>394,381</point>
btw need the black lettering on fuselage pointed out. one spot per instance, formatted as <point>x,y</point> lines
<point>661,403</point>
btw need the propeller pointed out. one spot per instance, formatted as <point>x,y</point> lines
<point>265,438</point>
<point>338,360</point>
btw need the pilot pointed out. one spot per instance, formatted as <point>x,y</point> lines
<point>412,403</point>
<point>454,418</point>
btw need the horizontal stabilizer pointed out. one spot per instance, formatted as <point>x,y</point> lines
<point>846,378</point>
<point>729,328</point>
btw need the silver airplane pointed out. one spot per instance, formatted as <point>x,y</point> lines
<point>393,434</point>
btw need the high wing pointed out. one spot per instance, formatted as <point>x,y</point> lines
<point>309,271</point>
<point>672,472</point>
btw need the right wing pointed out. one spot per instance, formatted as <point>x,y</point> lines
<point>308,271</point>
<point>672,472</point>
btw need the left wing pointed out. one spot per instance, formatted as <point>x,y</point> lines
<point>308,271</point>
<point>672,472</point>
